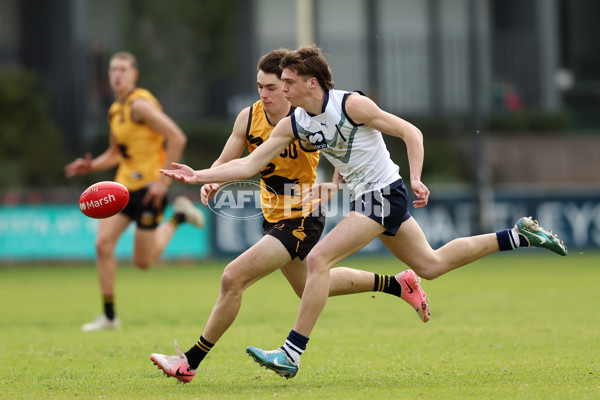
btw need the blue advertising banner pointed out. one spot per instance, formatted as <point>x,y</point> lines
<point>575,217</point>
<point>449,214</point>
<point>61,232</point>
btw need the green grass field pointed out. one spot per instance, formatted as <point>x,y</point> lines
<point>521,326</point>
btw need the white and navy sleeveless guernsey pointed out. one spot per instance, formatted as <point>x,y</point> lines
<point>357,151</point>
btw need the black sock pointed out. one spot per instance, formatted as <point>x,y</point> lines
<point>197,352</point>
<point>387,284</point>
<point>177,219</point>
<point>109,307</point>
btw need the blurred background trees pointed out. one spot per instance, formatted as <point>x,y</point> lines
<point>31,151</point>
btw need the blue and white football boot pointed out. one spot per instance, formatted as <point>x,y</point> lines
<point>539,237</point>
<point>275,360</point>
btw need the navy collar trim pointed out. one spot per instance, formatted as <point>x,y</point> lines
<point>325,101</point>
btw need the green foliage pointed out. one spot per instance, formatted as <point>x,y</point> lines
<point>190,45</point>
<point>448,141</point>
<point>206,139</point>
<point>443,161</point>
<point>437,126</point>
<point>31,152</point>
<point>527,121</point>
<point>530,121</point>
<point>506,327</point>
<point>445,141</point>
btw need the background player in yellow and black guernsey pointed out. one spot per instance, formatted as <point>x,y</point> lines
<point>289,231</point>
<point>142,140</point>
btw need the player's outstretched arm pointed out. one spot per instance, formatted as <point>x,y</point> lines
<point>240,168</point>
<point>79,166</point>
<point>322,192</point>
<point>83,166</point>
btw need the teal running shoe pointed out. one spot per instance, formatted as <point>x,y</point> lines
<point>539,237</point>
<point>275,360</point>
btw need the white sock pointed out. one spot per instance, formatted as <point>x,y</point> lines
<point>515,241</point>
<point>293,352</point>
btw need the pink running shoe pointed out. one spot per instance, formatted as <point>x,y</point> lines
<point>413,293</point>
<point>175,366</point>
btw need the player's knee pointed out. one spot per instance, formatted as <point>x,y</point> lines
<point>316,263</point>
<point>427,275</point>
<point>427,271</point>
<point>141,262</point>
<point>230,281</point>
<point>104,248</point>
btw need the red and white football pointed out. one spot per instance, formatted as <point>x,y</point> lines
<point>103,199</point>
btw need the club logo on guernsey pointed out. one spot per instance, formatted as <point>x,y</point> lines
<point>97,203</point>
<point>339,140</point>
<point>317,139</point>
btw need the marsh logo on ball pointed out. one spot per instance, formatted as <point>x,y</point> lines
<point>103,199</point>
<point>97,203</point>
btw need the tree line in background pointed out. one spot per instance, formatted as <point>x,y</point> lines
<point>31,151</point>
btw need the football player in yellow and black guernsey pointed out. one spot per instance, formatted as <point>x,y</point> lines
<point>289,232</point>
<point>143,139</point>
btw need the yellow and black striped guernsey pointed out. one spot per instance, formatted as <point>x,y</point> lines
<point>141,150</point>
<point>285,176</point>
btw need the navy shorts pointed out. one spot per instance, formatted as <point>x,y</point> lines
<point>387,206</point>
<point>146,216</point>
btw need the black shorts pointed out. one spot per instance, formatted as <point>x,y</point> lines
<point>298,235</point>
<point>145,216</point>
<point>387,206</point>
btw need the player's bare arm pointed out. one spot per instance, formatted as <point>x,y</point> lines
<point>233,149</point>
<point>322,192</point>
<point>82,166</point>
<point>363,110</point>
<point>144,111</point>
<point>241,168</point>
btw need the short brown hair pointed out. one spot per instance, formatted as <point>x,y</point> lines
<point>125,55</point>
<point>269,63</point>
<point>309,61</point>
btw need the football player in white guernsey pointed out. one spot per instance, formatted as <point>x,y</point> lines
<point>281,247</point>
<point>346,127</point>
